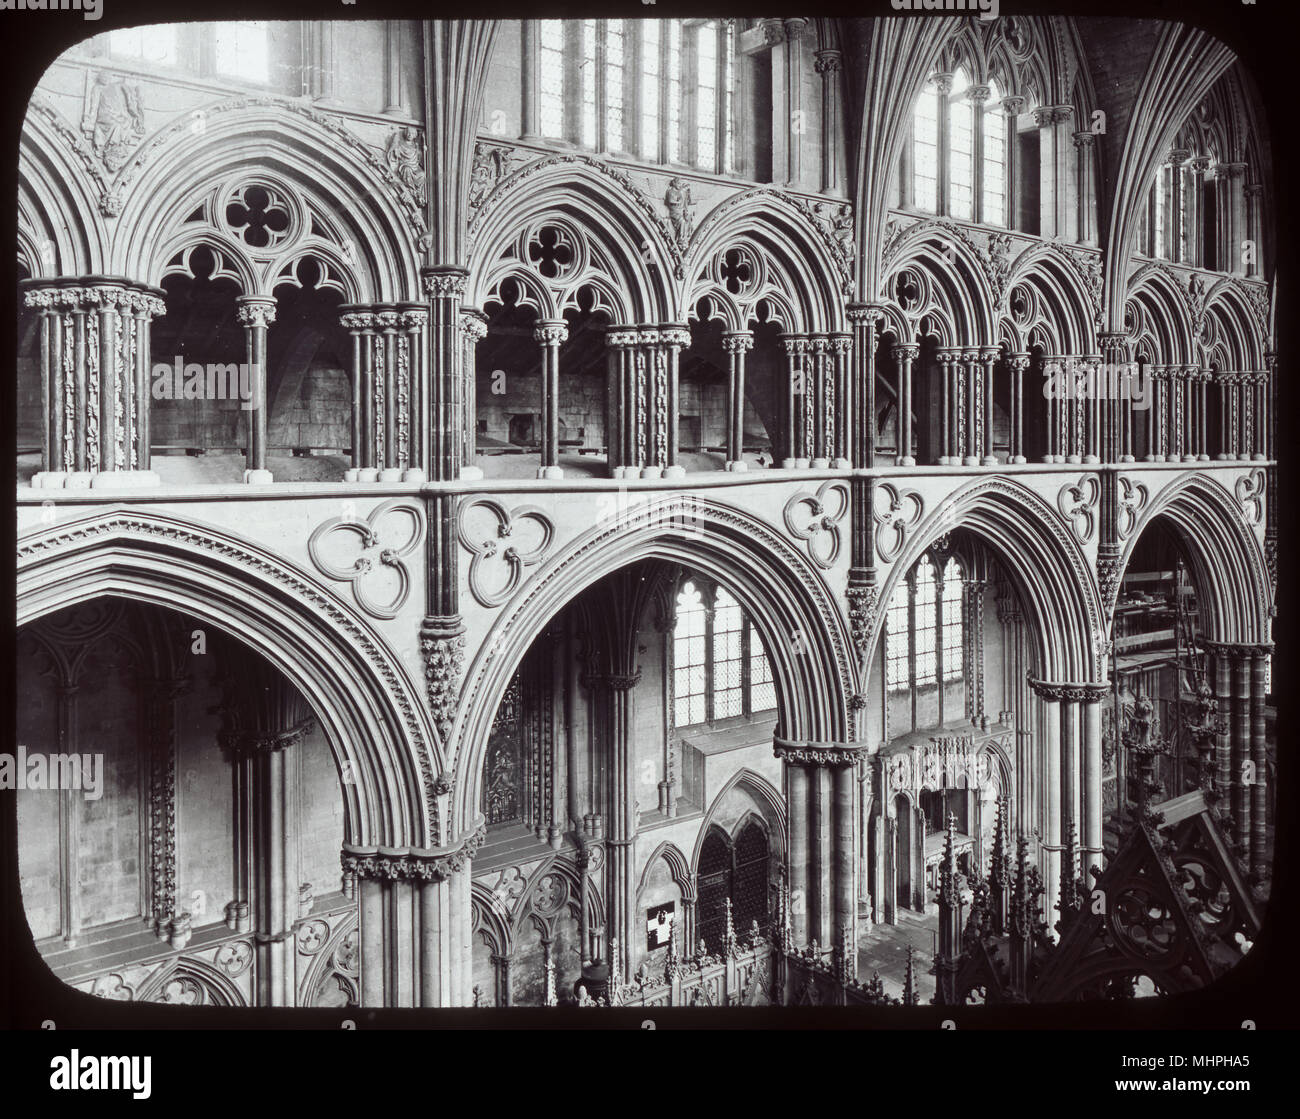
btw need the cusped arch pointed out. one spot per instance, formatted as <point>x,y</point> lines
<point>797,618</point>
<point>1062,301</point>
<point>377,727</point>
<point>1235,326</point>
<point>611,214</point>
<point>1163,309</point>
<point>956,287</point>
<point>366,223</point>
<point>1041,555</point>
<point>804,266</point>
<point>217,987</point>
<point>1233,590</point>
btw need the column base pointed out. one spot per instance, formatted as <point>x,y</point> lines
<point>471,473</point>
<point>1018,460</point>
<point>96,480</point>
<point>989,460</point>
<point>841,464</point>
<point>390,474</point>
<point>1222,456</point>
<point>739,467</point>
<point>414,474</point>
<point>1127,458</point>
<point>907,460</point>
<point>821,463</point>
<point>1073,459</point>
<point>789,463</point>
<point>1091,458</point>
<point>620,472</point>
<point>1189,458</point>
<point>944,460</point>
<point>550,472</point>
<point>971,460</point>
<point>1048,459</point>
<point>652,473</point>
<point>1257,458</point>
<point>1153,458</point>
<point>368,474</point>
<point>674,472</point>
<point>258,477</point>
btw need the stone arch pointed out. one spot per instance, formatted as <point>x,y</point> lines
<point>364,222</point>
<point>59,198</point>
<point>804,264</point>
<point>1052,574</point>
<point>772,818</point>
<point>378,729</point>
<point>773,582</point>
<point>679,870</point>
<point>1235,326</point>
<point>605,207</point>
<point>1224,556</point>
<point>491,920</point>
<point>956,291</point>
<point>217,988</point>
<point>1062,301</point>
<point>1162,311</point>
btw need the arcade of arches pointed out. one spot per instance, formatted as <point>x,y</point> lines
<point>609,512</point>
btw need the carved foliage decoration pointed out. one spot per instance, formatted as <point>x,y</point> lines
<point>1078,505</point>
<point>377,547</point>
<point>503,543</point>
<point>896,513</point>
<point>815,518</point>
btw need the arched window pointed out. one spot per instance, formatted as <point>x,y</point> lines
<point>662,90</point>
<point>925,639</point>
<point>961,136</point>
<point>242,49</point>
<point>156,44</point>
<point>737,870</point>
<point>720,670</point>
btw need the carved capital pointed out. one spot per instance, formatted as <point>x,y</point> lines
<point>737,342</point>
<point>413,866</point>
<point>827,62</point>
<point>819,753</point>
<point>254,312</point>
<point>443,283</point>
<point>473,325</point>
<point>551,333</point>
<point>1069,692</point>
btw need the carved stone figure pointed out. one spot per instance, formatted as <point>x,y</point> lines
<point>406,158</point>
<point>681,209</point>
<point>113,120</point>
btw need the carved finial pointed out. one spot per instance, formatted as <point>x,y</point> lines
<point>910,996</point>
<point>729,936</point>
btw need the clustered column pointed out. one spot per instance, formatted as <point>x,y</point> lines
<point>550,334</point>
<point>861,414</point>
<point>821,787</point>
<point>641,396</point>
<point>1018,365</point>
<point>473,329</point>
<point>95,381</point>
<point>415,924</point>
<point>391,428</point>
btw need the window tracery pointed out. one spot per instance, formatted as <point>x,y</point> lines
<point>720,669</point>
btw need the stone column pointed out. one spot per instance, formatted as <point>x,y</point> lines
<point>620,401</point>
<point>736,344</point>
<point>1083,149</point>
<point>794,29</point>
<point>673,339</point>
<point>1018,364</point>
<point>1234,173</point>
<point>948,361</point>
<point>969,372</point>
<point>1259,764</point>
<point>255,314</point>
<point>415,924</point>
<point>1240,728</point>
<point>989,356</point>
<point>623,823</point>
<point>827,64</point>
<point>1091,846</point>
<point>840,357</point>
<point>1259,391</point>
<point>444,289</point>
<point>360,323</point>
<point>1054,144</point>
<point>387,322</point>
<point>800,395</point>
<point>862,411</point>
<point>96,381</point>
<point>823,369</point>
<point>1252,261</point>
<point>822,826</point>
<point>415,431</point>
<point>550,334</point>
<point>904,355</point>
<point>1050,795</point>
<point>473,329</point>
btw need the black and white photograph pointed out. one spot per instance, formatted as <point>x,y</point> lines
<point>662,512</point>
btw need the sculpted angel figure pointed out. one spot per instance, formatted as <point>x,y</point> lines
<point>114,119</point>
<point>680,208</point>
<point>406,158</point>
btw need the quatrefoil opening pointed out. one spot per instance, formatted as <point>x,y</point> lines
<point>369,555</point>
